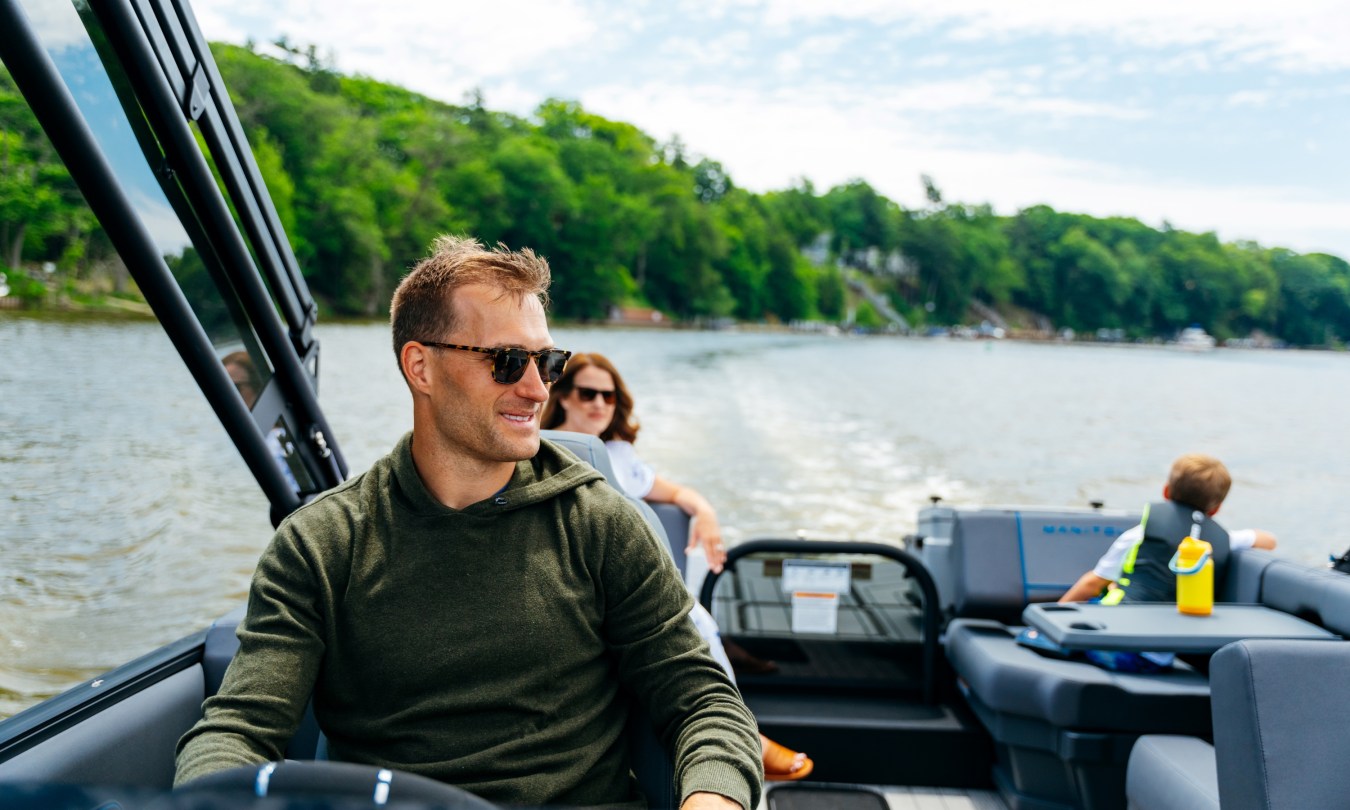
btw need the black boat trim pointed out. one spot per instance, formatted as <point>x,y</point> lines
<point>172,68</point>
<point>79,703</point>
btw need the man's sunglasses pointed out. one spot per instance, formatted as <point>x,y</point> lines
<point>588,394</point>
<point>508,365</point>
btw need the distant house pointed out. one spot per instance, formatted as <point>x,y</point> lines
<point>636,316</point>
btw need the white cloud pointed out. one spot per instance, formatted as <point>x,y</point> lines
<point>429,47</point>
<point>1249,98</point>
<point>57,25</point>
<point>1292,35</point>
<point>992,91</point>
<point>730,51</point>
<point>767,145</point>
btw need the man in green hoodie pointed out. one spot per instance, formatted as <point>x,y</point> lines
<point>469,608</point>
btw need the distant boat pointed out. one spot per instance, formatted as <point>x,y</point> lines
<point>1195,339</point>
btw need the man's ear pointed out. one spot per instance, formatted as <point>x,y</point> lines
<point>1167,492</point>
<point>415,360</point>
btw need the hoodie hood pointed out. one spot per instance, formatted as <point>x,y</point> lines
<point>551,472</point>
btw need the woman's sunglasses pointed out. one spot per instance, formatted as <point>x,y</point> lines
<point>508,365</point>
<point>588,394</point>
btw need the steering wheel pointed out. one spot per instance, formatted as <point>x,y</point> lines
<point>335,780</point>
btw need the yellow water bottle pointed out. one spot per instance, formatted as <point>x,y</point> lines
<point>1194,567</point>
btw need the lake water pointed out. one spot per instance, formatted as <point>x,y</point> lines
<point>128,520</point>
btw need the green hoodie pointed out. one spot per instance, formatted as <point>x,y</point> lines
<point>483,647</point>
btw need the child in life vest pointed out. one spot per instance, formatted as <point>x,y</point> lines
<point>1135,567</point>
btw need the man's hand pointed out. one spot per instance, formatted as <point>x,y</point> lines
<point>709,801</point>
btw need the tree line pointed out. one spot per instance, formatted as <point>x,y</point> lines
<point>365,173</point>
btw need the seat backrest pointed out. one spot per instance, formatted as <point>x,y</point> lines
<point>591,450</point>
<point>1280,720</point>
<point>1242,581</point>
<point>677,525</point>
<point>669,520</point>
<point>1319,595</point>
<point>991,563</point>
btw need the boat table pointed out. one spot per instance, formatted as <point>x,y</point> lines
<point>1159,627</point>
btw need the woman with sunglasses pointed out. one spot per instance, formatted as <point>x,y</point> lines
<point>590,397</point>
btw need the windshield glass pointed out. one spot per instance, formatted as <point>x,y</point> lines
<point>72,36</point>
<point>127,507</point>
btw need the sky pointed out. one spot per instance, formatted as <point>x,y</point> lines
<point>1228,116</point>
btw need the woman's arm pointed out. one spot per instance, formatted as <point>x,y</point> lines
<point>707,532</point>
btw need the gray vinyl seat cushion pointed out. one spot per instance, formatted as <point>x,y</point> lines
<point>1280,720</point>
<point>1318,595</point>
<point>1279,735</point>
<point>1011,679</point>
<point>592,451</point>
<point>1169,772</point>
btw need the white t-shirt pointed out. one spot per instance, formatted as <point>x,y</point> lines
<point>1112,563</point>
<point>636,476</point>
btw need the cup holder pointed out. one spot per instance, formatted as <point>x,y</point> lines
<point>1087,625</point>
<point>1058,608</point>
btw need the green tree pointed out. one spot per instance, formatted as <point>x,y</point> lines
<point>39,202</point>
<point>831,293</point>
<point>860,218</point>
<point>1091,280</point>
<point>799,211</point>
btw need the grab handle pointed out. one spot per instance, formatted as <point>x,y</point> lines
<point>1200,563</point>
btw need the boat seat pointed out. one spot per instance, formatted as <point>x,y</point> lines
<point>1317,595</point>
<point>1170,772</point>
<point>1063,729</point>
<point>1279,735</point>
<point>1008,677</point>
<point>989,563</point>
<point>591,450</point>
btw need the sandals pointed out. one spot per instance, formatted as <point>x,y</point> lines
<point>779,762</point>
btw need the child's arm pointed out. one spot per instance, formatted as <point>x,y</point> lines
<point>1087,587</point>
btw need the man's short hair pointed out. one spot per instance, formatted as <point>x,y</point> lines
<point>1200,481</point>
<point>422,305</point>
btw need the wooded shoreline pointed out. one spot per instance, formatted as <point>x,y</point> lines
<point>364,174</point>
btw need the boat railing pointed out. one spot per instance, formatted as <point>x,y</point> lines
<point>917,582</point>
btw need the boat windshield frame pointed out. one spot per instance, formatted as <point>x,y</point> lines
<point>209,252</point>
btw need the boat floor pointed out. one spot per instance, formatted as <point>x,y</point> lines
<point>832,796</point>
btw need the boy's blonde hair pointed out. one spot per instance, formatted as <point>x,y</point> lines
<point>1200,481</point>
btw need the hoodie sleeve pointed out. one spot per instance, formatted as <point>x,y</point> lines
<point>272,675</point>
<point>696,710</point>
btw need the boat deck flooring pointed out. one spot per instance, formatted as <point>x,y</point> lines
<point>823,796</point>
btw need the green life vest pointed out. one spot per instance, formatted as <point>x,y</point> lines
<point>1145,576</point>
